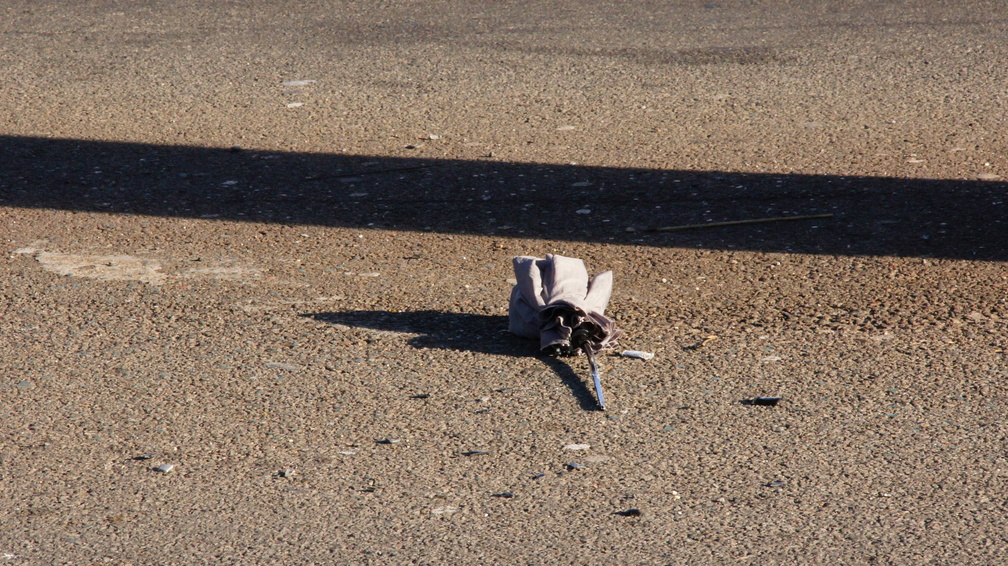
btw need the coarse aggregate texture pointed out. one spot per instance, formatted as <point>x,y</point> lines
<point>269,244</point>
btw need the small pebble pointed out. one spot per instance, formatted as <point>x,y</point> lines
<point>574,466</point>
<point>577,447</point>
<point>165,468</point>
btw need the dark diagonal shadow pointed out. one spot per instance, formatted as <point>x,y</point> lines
<point>568,369</point>
<point>486,334</point>
<point>469,332</point>
<point>954,219</point>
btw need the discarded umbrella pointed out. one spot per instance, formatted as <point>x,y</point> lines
<point>555,302</point>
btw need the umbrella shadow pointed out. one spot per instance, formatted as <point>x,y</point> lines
<point>485,334</point>
<point>584,396</point>
<point>440,330</point>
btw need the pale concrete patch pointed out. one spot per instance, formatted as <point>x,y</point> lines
<point>123,267</point>
<point>103,267</point>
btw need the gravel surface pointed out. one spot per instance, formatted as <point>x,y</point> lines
<point>253,295</point>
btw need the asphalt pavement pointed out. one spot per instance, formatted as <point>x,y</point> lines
<point>258,256</point>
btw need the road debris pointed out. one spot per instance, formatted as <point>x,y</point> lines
<point>555,302</point>
<point>701,344</point>
<point>445,510</point>
<point>682,227</point>
<point>637,354</point>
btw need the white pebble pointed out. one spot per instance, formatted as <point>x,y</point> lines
<point>445,510</point>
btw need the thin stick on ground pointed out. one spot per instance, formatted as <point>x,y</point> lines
<point>738,222</point>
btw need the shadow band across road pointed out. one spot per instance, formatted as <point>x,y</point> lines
<point>868,215</point>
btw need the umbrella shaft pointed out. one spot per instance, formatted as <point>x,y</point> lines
<point>595,374</point>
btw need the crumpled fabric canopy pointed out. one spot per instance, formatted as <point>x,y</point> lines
<point>555,302</point>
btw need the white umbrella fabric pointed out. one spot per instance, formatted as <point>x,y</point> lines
<point>555,302</point>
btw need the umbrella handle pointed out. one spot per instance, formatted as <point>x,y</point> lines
<point>582,338</point>
<point>586,346</point>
